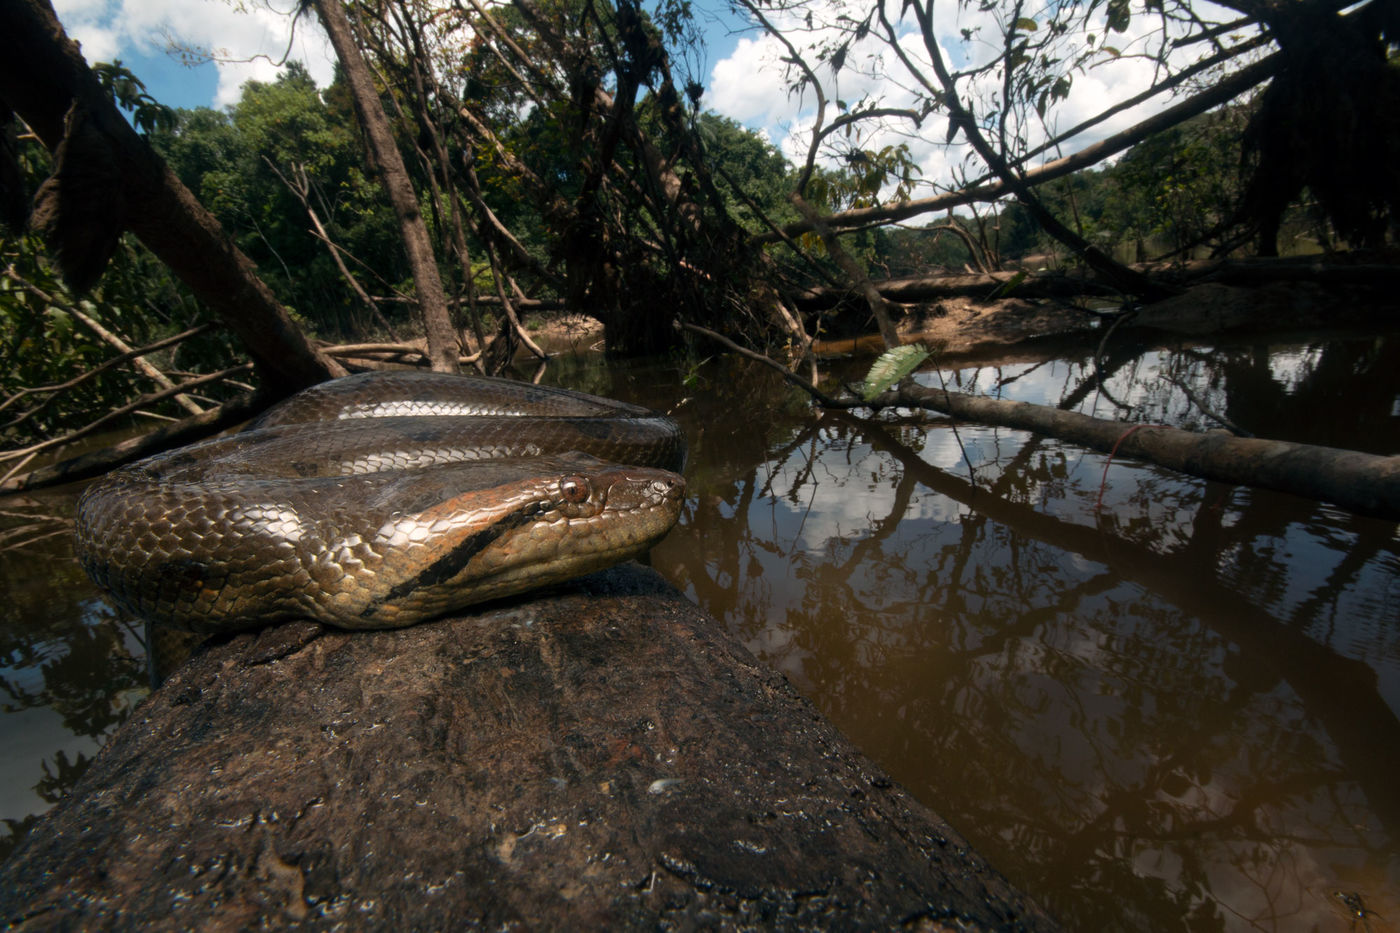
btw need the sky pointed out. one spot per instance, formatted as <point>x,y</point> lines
<point>741,71</point>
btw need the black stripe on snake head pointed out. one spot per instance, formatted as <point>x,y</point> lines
<point>449,565</point>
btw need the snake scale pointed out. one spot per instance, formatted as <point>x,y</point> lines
<point>381,500</point>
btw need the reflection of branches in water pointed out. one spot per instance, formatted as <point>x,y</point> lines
<point>1117,704</point>
<point>55,784</point>
<point>90,674</point>
<point>1307,665</point>
<point>58,781</point>
<point>86,684</point>
<point>1331,689</point>
<point>15,831</point>
<point>35,526</point>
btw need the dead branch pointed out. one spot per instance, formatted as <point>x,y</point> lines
<point>1129,281</point>
<point>1206,410</point>
<point>1219,93</point>
<point>499,276</point>
<point>302,190</point>
<point>860,279</point>
<point>140,362</point>
<point>787,374</point>
<point>98,462</point>
<point>54,389</point>
<point>45,79</point>
<point>369,112</point>
<point>144,400</point>
<point>933,287</point>
<point>137,360</point>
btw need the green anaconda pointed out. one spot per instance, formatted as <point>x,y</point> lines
<point>381,500</point>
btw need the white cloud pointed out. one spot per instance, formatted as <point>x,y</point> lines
<point>247,40</point>
<point>88,23</point>
<point>750,84</point>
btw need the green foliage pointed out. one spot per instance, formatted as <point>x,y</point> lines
<point>42,341</point>
<point>867,177</point>
<point>243,166</point>
<point>906,251</point>
<point>1179,185</point>
<point>750,171</point>
<point>1170,192</point>
<point>147,114</point>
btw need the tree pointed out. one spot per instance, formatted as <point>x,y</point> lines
<point>432,302</point>
<point>285,173</point>
<point>106,178</point>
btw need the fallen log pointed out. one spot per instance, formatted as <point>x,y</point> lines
<point>1368,484</point>
<point>603,756</point>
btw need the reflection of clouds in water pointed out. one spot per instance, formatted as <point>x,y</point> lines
<point>854,489</point>
<point>1149,692</point>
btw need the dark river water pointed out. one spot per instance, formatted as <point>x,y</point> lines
<point>1154,702</point>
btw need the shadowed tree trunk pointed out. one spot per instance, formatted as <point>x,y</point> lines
<point>108,179</point>
<point>432,302</point>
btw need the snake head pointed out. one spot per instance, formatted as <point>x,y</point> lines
<point>512,526</point>
<point>623,490</point>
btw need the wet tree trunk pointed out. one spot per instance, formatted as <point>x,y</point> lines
<point>432,301</point>
<point>1362,482</point>
<point>602,757</point>
<point>107,179</point>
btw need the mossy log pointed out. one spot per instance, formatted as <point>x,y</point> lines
<point>603,756</point>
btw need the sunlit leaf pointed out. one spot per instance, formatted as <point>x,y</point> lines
<point>1010,285</point>
<point>892,366</point>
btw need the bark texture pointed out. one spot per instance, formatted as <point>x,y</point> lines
<point>601,757</point>
<point>107,178</point>
<point>427,283</point>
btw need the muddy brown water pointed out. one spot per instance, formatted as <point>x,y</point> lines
<point>1152,701</point>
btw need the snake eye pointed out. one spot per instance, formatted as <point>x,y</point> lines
<point>574,489</point>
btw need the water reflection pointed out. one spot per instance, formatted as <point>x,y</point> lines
<point>1155,702</point>
<point>1176,707</point>
<point>71,669</point>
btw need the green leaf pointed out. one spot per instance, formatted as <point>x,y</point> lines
<point>1119,15</point>
<point>892,366</point>
<point>1026,24</point>
<point>1010,285</point>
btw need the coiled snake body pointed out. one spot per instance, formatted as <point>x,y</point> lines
<point>381,500</point>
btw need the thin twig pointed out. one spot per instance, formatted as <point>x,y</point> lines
<point>127,409</point>
<point>759,357</point>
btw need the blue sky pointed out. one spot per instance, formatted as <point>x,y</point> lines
<point>742,74</point>
<point>140,33</point>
